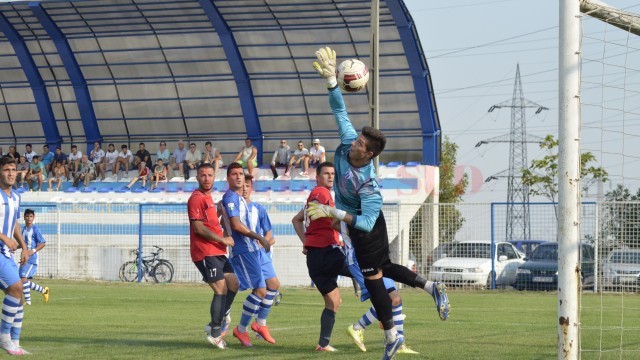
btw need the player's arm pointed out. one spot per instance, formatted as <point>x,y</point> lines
<point>270,238</point>
<point>370,203</point>
<point>39,240</point>
<point>204,232</point>
<point>238,226</point>
<point>17,234</point>
<point>298,225</point>
<point>265,225</point>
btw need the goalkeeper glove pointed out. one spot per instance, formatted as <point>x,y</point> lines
<point>326,66</point>
<point>316,211</point>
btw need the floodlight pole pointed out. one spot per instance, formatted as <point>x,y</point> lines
<point>569,182</point>
<point>374,91</point>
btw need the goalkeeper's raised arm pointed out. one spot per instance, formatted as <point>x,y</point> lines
<point>326,67</point>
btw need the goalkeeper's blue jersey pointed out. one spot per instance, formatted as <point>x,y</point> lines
<point>356,189</point>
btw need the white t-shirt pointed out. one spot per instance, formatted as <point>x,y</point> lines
<point>127,155</point>
<point>300,153</point>
<point>316,154</point>
<point>111,157</point>
<point>96,156</point>
<point>75,157</point>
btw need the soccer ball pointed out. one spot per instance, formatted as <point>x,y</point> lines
<point>352,75</point>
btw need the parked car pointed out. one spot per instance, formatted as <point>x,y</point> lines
<point>439,252</point>
<point>540,269</point>
<point>469,263</point>
<point>525,247</point>
<point>621,269</point>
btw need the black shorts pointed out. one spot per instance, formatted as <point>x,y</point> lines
<point>213,268</point>
<point>325,264</point>
<point>371,248</point>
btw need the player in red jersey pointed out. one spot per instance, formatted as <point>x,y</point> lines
<point>325,257</point>
<point>209,248</point>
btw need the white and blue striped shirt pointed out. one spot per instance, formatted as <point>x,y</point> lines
<point>9,215</point>
<point>235,205</point>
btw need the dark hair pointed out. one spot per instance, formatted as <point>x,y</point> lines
<point>74,146</point>
<point>45,146</point>
<point>376,141</point>
<point>6,160</point>
<point>29,145</point>
<point>141,144</point>
<point>192,144</point>
<point>323,165</point>
<point>111,145</point>
<point>204,166</point>
<point>58,148</point>
<point>29,212</point>
<point>123,147</point>
<point>35,157</point>
<point>232,166</point>
<point>248,177</point>
<point>207,143</point>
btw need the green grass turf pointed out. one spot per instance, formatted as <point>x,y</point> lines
<point>101,320</point>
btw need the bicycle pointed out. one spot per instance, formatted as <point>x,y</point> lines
<point>160,270</point>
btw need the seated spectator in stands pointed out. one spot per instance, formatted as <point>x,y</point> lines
<point>143,174</point>
<point>47,159</point>
<point>248,156</point>
<point>162,153</point>
<point>159,174</point>
<point>212,156</point>
<point>281,158</point>
<point>143,154</point>
<point>192,160</point>
<point>316,154</point>
<point>109,162</point>
<point>22,170</point>
<point>96,156</point>
<point>73,160</point>
<point>29,153</point>
<point>86,173</point>
<point>36,173</point>
<point>177,159</point>
<point>13,153</point>
<point>60,156</point>
<point>59,175</point>
<point>125,159</point>
<point>300,156</point>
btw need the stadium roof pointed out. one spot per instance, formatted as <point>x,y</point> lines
<point>131,70</point>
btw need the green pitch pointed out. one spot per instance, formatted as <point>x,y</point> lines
<point>94,320</point>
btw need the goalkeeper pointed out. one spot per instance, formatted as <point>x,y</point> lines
<point>359,204</point>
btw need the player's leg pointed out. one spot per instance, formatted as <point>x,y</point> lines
<point>248,270</point>
<point>12,309</point>
<point>211,268</point>
<point>232,289</point>
<point>272,286</point>
<point>23,272</point>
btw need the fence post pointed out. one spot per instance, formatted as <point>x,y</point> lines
<point>493,250</point>
<point>140,243</point>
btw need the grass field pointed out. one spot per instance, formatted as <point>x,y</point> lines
<point>96,320</point>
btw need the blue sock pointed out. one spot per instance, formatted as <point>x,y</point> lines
<point>10,307</point>
<point>26,291</point>
<point>367,318</point>
<point>36,287</point>
<point>265,307</point>
<point>398,318</point>
<point>16,328</point>
<point>249,310</point>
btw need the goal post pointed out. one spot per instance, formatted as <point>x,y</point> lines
<point>622,19</point>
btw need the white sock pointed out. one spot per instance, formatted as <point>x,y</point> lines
<point>428,287</point>
<point>390,335</point>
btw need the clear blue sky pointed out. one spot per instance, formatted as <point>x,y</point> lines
<point>473,47</point>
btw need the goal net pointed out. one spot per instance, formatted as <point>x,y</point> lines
<point>610,130</point>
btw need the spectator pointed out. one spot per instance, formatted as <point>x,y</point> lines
<point>143,174</point>
<point>281,158</point>
<point>29,154</point>
<point>248,156</point>
<point>144,155</point>
<point>179,154</point>
<point>47,158</point>
<point>59,175</point>
<point>13,153</point>
<point>86,173</point>
<point>159,173</point>
<point>212,156</point>
<point>162,153</point>
<point>110,161</point>
<point>191,160</point>
<point>22,170</point>
<point>125,159</point>
<point>316,154</point>
<point>300,156</point>
<point>74,160</point>
<point>36,172</point>
<point>96,156</point>
<point>60,156</point>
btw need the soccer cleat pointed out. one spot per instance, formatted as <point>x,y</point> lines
<point>11,348</point>
<point>243,337</point>
<point>45,294</point>
<point>207,329</point>
<point>328,348</point>
<point>357,336</point>
<point>217,342</point>
<point>442,300</point>
<point>264,332</point>
<point>28,302</point>
<point>404,349</point>
<point>391,348</point>
<point>278,299</point>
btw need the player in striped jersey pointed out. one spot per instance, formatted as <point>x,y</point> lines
<point>35,242</point>
<point>245,255</point>
<point>12,308</point>
<point>262,227</point>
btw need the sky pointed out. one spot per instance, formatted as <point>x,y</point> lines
<point>473,48</point>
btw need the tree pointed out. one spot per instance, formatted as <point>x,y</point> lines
<point>542,175</point>
<point>451,192</point>
<point>621,218</point>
